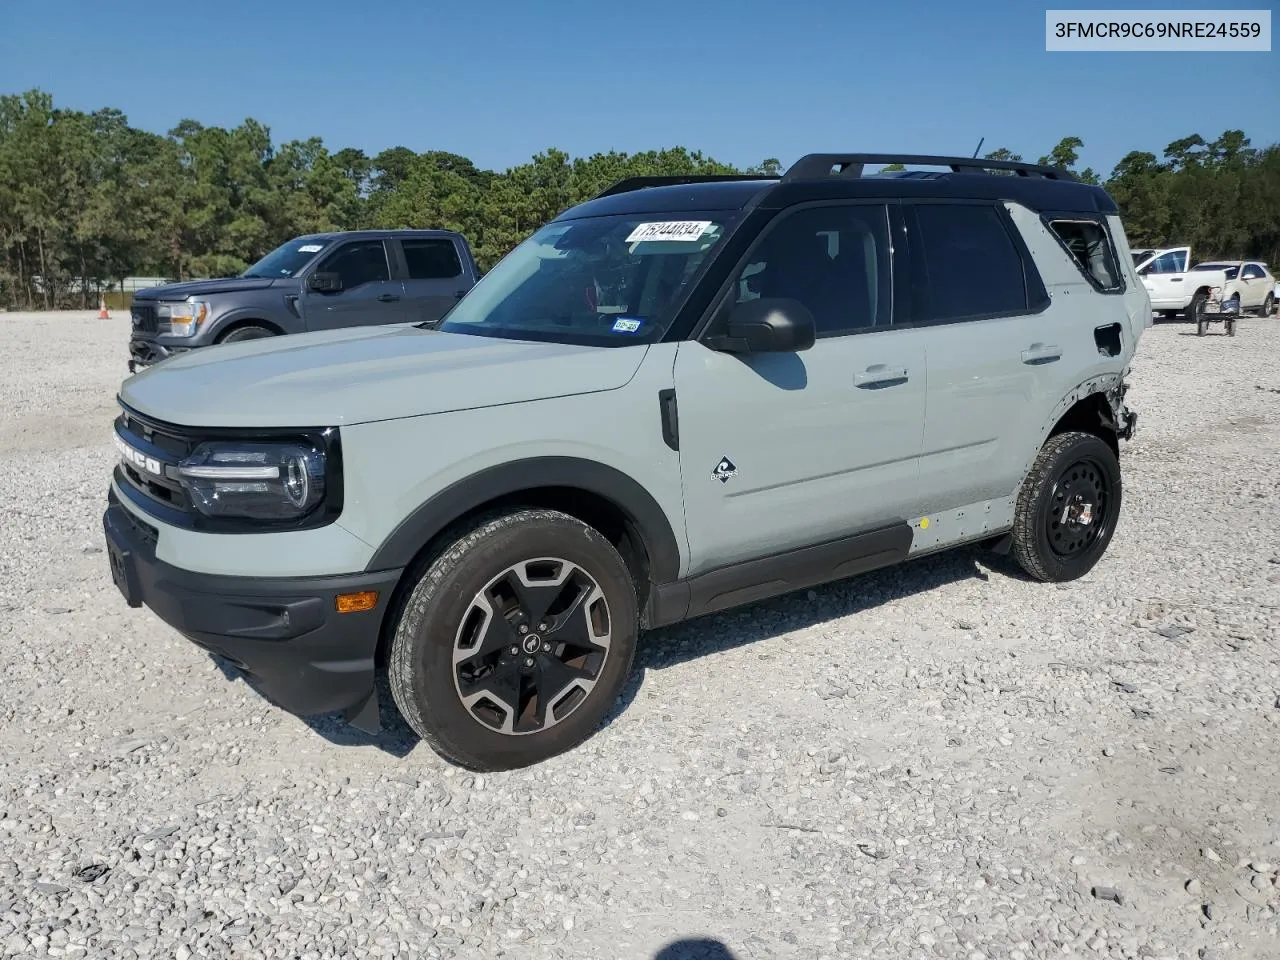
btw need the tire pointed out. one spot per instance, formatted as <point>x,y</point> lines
<point>1068,466</point>
<point>466,600</point>
<point>1202,326</point>
<point>1231,328</point>
<point>1268,305</point>
<point>1195,310</point>
<point>246,333</point>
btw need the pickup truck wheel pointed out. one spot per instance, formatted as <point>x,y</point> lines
<point>246,333</point>
<point>515,641</point>
<point>1067,508</point>
<point>1196,309</point>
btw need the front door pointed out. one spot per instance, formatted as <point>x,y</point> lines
<point>785,450</point>
<point>368,296</point>
<point>1253,286</point>
<point>1164,280</point>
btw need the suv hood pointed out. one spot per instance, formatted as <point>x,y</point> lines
<point>195,288</point>
<point>362,374</point>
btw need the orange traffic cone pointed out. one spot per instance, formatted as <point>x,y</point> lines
<point>102,309</point>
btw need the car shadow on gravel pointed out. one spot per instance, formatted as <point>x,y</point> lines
<point>714,633</point>
<point>701,948</point>
<point>742,626</point>
<point>395,738</point>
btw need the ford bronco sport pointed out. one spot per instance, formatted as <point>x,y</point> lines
<point>683,395</point>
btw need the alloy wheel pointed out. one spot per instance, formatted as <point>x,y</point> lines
<point>531,646</point>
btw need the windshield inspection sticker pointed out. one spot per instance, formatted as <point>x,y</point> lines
<point>311,248</point>
<point>627,324</point>
<point>669,230</point>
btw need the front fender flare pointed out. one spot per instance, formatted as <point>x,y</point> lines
<point>460,498</point>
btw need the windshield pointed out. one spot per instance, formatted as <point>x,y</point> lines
<point>599,281</point>
<point>287,259</point>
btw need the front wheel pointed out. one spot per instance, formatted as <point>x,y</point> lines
<point>1067,508</point>
<point>246,333</point>
<point>515,641</point>
<point>1268,305</point>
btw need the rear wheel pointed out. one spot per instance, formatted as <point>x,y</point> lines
<point>1067,508</point>
<point>246,333</point>
<point>1196,311</point>
<point>515,641</point>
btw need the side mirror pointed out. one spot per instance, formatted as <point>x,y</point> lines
<point>325,282</point>
<point>767,325</point>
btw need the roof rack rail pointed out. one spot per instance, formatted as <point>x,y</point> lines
<point>639,183</point>
<point>819,166</point>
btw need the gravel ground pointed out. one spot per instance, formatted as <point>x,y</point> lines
<point>943,760</point>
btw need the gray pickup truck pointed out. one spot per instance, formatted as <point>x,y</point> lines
<point>316,282</point>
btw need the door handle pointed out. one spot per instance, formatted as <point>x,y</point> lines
<point>1041,353</point>
<point>1175,279</point>
<point>879,375</point>
<point>387,298</point>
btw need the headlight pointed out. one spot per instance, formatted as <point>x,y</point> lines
<point>185,318</point>
<point>256,481</point>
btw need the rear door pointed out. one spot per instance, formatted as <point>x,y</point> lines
<point>435,277</point>
<point>368,296</point>
<point>990,350</point>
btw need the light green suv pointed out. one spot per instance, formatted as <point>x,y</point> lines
<point>684,395</point>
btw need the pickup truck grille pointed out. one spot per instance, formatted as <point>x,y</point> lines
<point>144,317</point>
<point>163,446</point>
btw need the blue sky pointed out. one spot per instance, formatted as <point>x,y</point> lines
<point>500,80</point>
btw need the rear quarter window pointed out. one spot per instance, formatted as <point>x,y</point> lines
<point>1089,245</point>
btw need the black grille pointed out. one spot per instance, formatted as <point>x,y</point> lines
<point>144,317</point>
<point>168,446</point>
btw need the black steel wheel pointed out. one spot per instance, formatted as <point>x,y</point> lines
<point>1231,328</point>
<point>1067,507</point>
<point>515,640</point>
<point>1202,326</point>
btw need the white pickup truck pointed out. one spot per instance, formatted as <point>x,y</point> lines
<point>1174,287</point>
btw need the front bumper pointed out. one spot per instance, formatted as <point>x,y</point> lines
<point>285,635</point>
<point>144,352</point>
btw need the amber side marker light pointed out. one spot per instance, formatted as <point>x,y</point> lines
<point>356,602</point>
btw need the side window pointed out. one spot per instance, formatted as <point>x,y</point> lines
<point>1170,262</point>
<point>431,259</point>
<point>834,260</point>
<point>971,265</point>
<point>364,261</point>
<point>1252,271</point>
<point>1090,247</point>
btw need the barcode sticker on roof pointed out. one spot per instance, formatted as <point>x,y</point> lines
<point>669,230</point>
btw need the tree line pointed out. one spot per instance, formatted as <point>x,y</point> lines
<point>87,199</point>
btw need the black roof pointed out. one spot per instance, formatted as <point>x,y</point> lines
<point>837,177</point>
